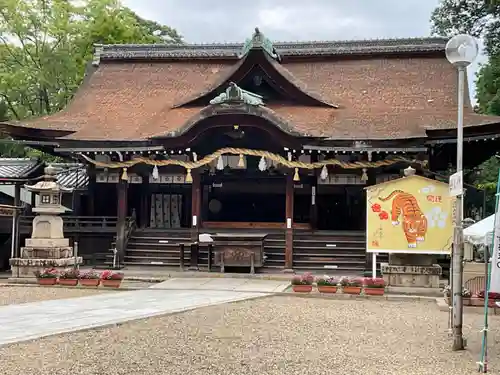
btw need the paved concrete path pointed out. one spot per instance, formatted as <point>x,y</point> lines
<point>38,319</point>
<point>236,285</point>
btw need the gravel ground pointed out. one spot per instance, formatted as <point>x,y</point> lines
<point>10,295</point>
<point>273,336</point>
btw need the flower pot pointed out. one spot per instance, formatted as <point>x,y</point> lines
<point>447,299</point>
<point>374,291</point>
<point>302,288</point>
<point>351,289</point>
<point>89,282</point>
<point>327,289</point>
<point>47,281</point>
<point>111,283</point>
<point>68,282</point>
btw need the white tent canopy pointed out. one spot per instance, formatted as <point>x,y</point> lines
<point>480,233</point>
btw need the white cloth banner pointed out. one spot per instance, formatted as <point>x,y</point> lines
<point>495,256</point>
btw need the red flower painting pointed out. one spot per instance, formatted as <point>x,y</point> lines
<point>383,215</point>
<point>376,207</point>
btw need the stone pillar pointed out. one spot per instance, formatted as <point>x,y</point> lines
<point>289,223</point>
<point>411,270</point>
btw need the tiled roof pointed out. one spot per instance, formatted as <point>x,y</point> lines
<point>234,50</point>
<point>378,96</point>
<point>17,168</point>
<point>71,175</point>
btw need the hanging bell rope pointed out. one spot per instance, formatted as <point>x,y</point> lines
<point>241,161</point>
<point>364,176</point>
<point>220,163</point>
<point>189,177</point>
<point>125,174</point>
<point>296,176</point>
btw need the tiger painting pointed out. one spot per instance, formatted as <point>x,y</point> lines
<point>414,220</point>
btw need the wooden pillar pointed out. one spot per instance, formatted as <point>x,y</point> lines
<point>33,203</point>
<point>15,221</point>
<point>313,212</point>
<point>289,222</point>
<point>195,205</point>
<point>121,220</point>
<point>144,215</point>
<point>91,190</point>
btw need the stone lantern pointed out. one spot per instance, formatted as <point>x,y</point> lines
<point>47,247</point>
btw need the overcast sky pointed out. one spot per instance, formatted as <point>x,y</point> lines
<point>291,20</point>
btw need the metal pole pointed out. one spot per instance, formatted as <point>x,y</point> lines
<point>458,339</point>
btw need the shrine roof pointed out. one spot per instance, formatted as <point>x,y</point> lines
<point>17,168</point>
<point>364,90</point>
<point>284,49</point>
<point>71,175</point>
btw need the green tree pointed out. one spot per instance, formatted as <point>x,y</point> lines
<point>45,46</point>
<point>480,18</point>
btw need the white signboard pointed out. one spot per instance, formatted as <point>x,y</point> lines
<point>456,184</point>
<point>495,256</point>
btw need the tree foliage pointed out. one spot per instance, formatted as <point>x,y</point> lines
<point>46,44</point>
<point>480,18</point>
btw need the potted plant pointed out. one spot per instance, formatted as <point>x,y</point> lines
<point>302,283</point>
<point>69,277</point>
<point>492,298</point>
<point>374,286</point>
<point>351,285</point>
<point>466,297</point>
<point>111,279</point>
<point>90,278</point>
<point>47,276</point>
<point>327,284</point>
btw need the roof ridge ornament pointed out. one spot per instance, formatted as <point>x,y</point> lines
<point>236,95</point>
<point>259,41</point>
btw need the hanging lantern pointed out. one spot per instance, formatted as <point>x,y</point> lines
<point>220,163</point>
<point>296,176</point>
<point>364,176</point>
<point>241,161</point>
<point>324,173</point>
<point>125,174</point>
<point>189,177</point>
<point>262,164</point>
<point>155,174</point>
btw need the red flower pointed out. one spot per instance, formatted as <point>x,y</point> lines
<point>376,207</point>
<point>383,215</point>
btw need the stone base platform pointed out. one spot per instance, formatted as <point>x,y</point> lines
<point>22,267</point>
<point>411,276</point>
<point>40,252</point>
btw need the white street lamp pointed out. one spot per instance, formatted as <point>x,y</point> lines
<point>461,50</point>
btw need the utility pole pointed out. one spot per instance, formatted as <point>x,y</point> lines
<point>458,245</point>
<point>461,50</point>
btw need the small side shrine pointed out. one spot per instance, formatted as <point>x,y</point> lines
<point>410,218</point>
<point>47,246</point>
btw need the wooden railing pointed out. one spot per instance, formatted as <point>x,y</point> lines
<point>81,223</point>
